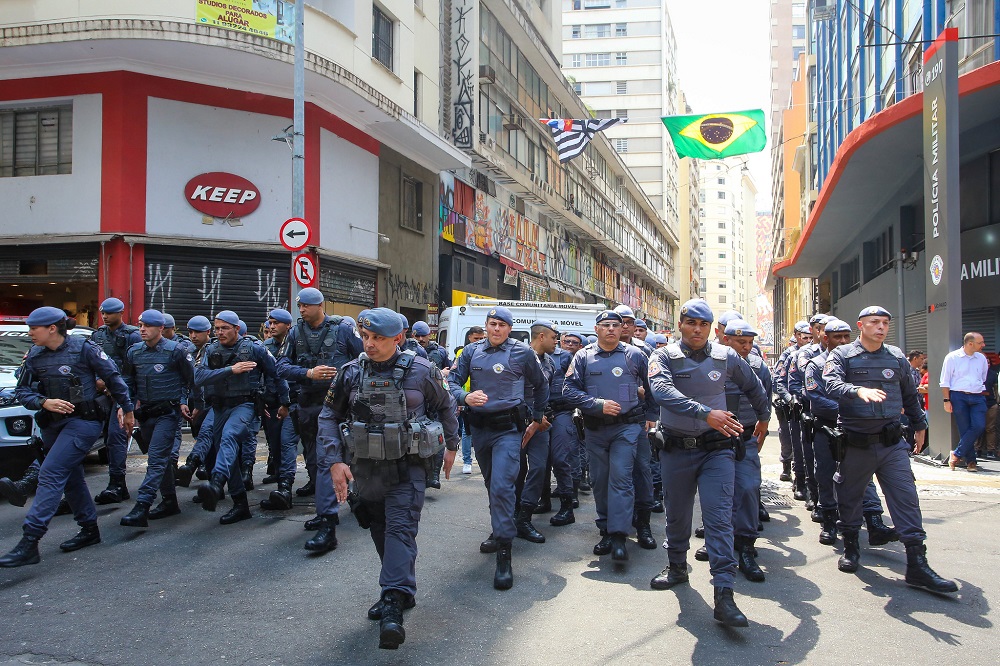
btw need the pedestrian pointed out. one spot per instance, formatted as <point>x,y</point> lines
<point>700,442</point>
<point>159,373</point>
<point>872,384</point>
<point>498,369</point>
<point>390,478</point>
<point>963,385</point>
<point>608,381</point>
<point>58,381</point>
<point>987,444</point>
<point>279,422</point>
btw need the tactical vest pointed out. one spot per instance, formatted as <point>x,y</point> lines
<point>491,372</point>
<point>437,355</point>
<point>63,374</point>
<point>611,376</point>
<point>234,386</point>
<point>317,347</point>
<point>815,384</point>
<point>561,359</point>
<point>880,370</point>
<point>271,345</point>
<point>702,381</point>
<point>114,343</point>
<point>744,411</point>
<point>156,380</point>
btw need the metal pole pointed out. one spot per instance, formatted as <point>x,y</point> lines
<point>298,129</point>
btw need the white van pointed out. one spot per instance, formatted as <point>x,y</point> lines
<point>455,322</point>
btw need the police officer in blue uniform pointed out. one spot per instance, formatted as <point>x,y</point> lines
<point>170,333</point>
<point>564,444</point>
<point>159,373</point>
<point>436,354</point>
<point>389,477</point>
<point>700,442</point>
<point>571,343</point>
<point>199,334</point>
<point>605,381</point>
<point>115,337</point>
<point>782,411</point>
<point>499,368</point>
<point>872,384</point>
<point>409,344</point>
<point>315,348</point>
<point>231,371</point>
<point>796,386</point>
<point>279,423</point>
<point>58,380</point>
<point>803,336</point>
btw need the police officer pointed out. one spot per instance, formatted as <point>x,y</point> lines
<point>641,330</point>
<point>499,368</point>
<point>781,408</point>
<point>279,423</point>
<point>315,348</point>
<point>409,344</point>
<point>564,445</point>
<point>58,380</point>
<point>699,434</point>
<point>230,372</point>
<point>170,333</point>
<point>436,354</point>
<point>740,335</point>
<point>158,373</point>
<point>115,337</point>
<point>796,386</point>
<point>390,478</point>
<point>871,382</point>
<point>571,343</point>
<point>199,332</point>
<point>605,381</point>
<point>803,336</point>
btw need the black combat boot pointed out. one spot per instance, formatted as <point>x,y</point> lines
<point>603,546</point>
<point>565,515</point>
<point>726,611</point>
<point>657,498</point>
<point>313,523</point>
<point>919,573</point>
<point>799,489</point>
<point>248,476</point>
<point>25,552</point>
<point>879,533</point>
<point>673,574</point>
<point>643,533</point>
<point>817,514</point>
<point>167,507</point>
<point>280,499</point>
<point>115,492</point>
<point>137,517</point>
<point>307,490</point>
<point>828,534</point>
<point>699,532</point>
<point>184,473</point>
<point>489,545</point>
<point>812,498</point>
<point>503,579</point>
<point>87,536</point>
<point>272,471</point>
<point>240,510</point>
<point>762,514</point>
<point>434,478</point>
<point>390,628</point>
<point>576,494</point>
<point>525,530</point>
<point>202,474</point>
<point>786,471</point>
<point>848,562</point>
<point>326,538</point>
<point>585,486</point>
<point>375,612</point>
<point>701,554</point>
<point>17,492</point>
<point>619,553</point>
<point>63,509</point>
<point>545,504</point>
<point>211,492</point>
<point>745,560</point>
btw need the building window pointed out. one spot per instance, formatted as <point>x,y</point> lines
<point>621,145</point>
<point>576,32</point>
<point>621,4</point>
<point>597,4</point>
<point>413,217</point>
<point>470,272</point>
<point>416,94</point>
<point>722,285</point>
<point>382,37</point>
<point>798,10</point>
<point>722,239</point>
<point>621,88</point>
<point>36,142</point>
<point>597,30</point>
<point>621,29</point>
<point>721,195</point>
<point>850,276</point>
<point>722,180</point>
<point>703,285</point>
<point>575,60</point>
<point>456,269</point>
<point>486,277</point>
<point>621,113</point>
<point>798,32</point>
<point>722,298</point>
<point>598,59</point>
<point>621,58</point>
<point>722,255</point>
<point>578,87</point>
<point>722,225</point>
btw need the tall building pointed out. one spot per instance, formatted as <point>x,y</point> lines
<point>690,210</point>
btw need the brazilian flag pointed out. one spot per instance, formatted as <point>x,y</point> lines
<point>716,135</point>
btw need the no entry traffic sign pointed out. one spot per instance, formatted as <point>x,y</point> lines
<point>295,234</point>
<point>304,270</point>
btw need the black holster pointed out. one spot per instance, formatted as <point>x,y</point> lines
<point>581,432</point>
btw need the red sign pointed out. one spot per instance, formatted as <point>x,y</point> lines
<point>304,270</point>
<point>220,194</point>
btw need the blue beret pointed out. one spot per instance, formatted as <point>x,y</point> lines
<point>310,296</point>
<point>802,326</point>
<point>229,317</point>
<point>568,334</point>
<point>817,318</point>
<point>168,320</point>
<point>403,320</point>
<point>348,321</point>
<point>834,325</point>
<point>501,313</point>
<point>625,311</point>
<point>659,339</point>
<point>199,323</point>
<point>739,328</point>
<point>421,328</point>
<point>242,327</point>
<point>874,311</point>
<point>546,323</point>
<point>728,316</point>
<point>152,318</point>
<point>112,305</point>
<point>609,314</point>
<point>697,308</point>
<point>640,324</point>
<point>280,315</point>
<point>381,321</point>
<point>591,339</point>
<point>45,316</point>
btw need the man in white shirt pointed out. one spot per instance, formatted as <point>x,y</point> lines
<point>963,383</point>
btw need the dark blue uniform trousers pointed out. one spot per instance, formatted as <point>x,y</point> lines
<point>642,473</point>
<point>785,439</point>
<point>283,443</point>
<point>713,475</point>
<point>746,492</point>
<point>206,437</point>
<point>394,523</point>
<point>535,456</point>
<point>564,452</point>
<point>117,445</point>
<point>175,451</point>
<point>160,433</point>
<point>498,455</point>
<point>891,465</point>
<point>825,469</point>
<point>230,429</point>
<point>248,452</point>
<point>612,452</point>
<point>67,443</point>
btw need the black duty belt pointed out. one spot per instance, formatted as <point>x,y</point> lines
<point>155,410</point>
<point>709,441</point>
<point>556,406</point>
<point>505,420</point>
<point>888,436</point>
<point>635,415</point>
<point>228,403</point>
<point>829,423</point>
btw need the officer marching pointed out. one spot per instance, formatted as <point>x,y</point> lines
<point>202,418</point>
<point>159,373</point>
<point>793,409</point>
<point>872,383</point>
<point>58,380</point>
<point>699,435</point>
<point>389,448</point>
<point>796,386</point>
<point>279,423</point>
<point>564,444</point>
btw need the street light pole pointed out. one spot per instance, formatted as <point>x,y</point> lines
<point>298,130</point>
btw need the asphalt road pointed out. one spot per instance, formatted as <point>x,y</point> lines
<point>189,590</point>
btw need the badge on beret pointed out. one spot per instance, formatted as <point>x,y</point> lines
<point>617,372</point>
<point>65,369</point>
<point>715,375</point>
<point>367,322</point>
<point>654,368</point>
<point>158,367</point>
<point>811,383</point>
<point>887,373</point>
<point>498,368</point>
<point>684,310</point>
<point>739,332</point>
<point>493,312</point>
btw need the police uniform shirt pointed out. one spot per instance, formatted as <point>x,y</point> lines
<point>437,355</point>
<point>410,344</point>
<point>548,367</point>
<point>821,404</point>
<point>501,372</point>
<point>266,365</point>
<point>596,374</point>
<point>643,346</point>
<point>347,347</point>
<point>425,391</point>
<point>560,361</point>
<point>851,366</point>
<point>76,358</point>
<point>796,368</point>
<point>781,370</point>
<point>745,412</point>
<point>278,390</point>
<point>115,343</point>
<point>181,361</point>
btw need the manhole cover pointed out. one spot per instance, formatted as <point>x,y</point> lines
<point>773,499</point>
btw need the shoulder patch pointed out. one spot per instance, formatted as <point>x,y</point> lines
<point>811,383</point>
<point>654,368</point>
<point>828,366</point>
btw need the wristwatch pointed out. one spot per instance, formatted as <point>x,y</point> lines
<point>946,400</point>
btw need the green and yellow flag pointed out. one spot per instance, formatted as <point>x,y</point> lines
<point>716,135</point>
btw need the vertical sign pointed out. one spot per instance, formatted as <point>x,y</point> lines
<point>465,56</point>
<point>941,224</point>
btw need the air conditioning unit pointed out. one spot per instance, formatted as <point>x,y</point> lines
<point>482,137</point>
<point>620,212</point>
<point>513,123</point>
<point>487,74</point>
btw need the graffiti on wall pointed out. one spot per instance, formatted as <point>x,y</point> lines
<point>409,290</point>
<point>465,78</point>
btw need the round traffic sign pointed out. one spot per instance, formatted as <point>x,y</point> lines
<point>295,234</point>
<point>303,270</point>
